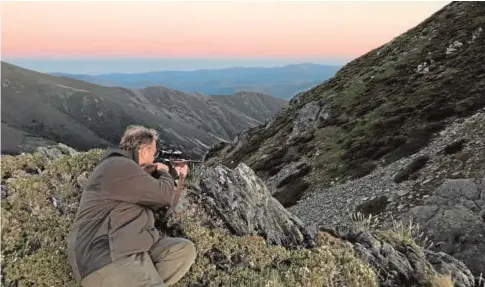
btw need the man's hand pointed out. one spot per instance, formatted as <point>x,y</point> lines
<point>182,169</point>
<point>162,167</point>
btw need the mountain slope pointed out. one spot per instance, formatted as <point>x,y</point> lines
<point>397,133</point>
<point>256,242</point>
<point>283,82</point>
<point>86,115</point>
<point>381,107</point>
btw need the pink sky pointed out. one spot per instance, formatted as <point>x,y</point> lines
<point>204,29</point>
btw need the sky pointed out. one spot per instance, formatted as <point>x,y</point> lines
<point>104,37</point>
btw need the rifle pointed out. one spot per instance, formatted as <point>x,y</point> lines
<point>172,159</point>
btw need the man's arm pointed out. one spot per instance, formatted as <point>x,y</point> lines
<point>178,193</point>
<point>124,180</point>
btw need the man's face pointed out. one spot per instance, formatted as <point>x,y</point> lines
<point>147,153</point>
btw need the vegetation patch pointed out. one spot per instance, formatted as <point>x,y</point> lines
<point>411,168</point>
<point>405,234</point>
<point>454,147</point>
<point>42,207</point>
<point>373,206</point>
<point>227,260</point>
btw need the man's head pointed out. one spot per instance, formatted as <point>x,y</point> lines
<point>141,140</point>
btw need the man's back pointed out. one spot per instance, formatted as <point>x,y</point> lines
<point>114,217</point>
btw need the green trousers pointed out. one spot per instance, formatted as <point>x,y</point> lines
<point>163,265</point>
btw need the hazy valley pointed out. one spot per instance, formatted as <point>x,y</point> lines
<point>282,82</point>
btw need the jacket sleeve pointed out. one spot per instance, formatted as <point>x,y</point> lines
<point>124,180</point>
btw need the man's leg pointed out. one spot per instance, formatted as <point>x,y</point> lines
<point>135,270</point>
<point>172,258</point>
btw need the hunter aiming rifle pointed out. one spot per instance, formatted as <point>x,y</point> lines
<point>171,159</point>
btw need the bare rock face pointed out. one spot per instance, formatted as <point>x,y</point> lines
<point>244,203</point>
<point>453,218</point>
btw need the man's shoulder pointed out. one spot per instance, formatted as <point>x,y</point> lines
<point>118,162</point>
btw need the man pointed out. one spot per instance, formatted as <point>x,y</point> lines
<point>113,241</point>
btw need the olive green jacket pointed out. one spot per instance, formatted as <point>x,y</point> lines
<point>115,216</point>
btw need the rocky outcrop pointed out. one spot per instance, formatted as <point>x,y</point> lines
<point>454,218</point>
<point>243,201</point>
<point>402,265</point>
<point>54,152</point>
<point>240,201</point>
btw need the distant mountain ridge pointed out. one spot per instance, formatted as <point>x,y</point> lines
<point>282,82</point>
<point>40,109</point>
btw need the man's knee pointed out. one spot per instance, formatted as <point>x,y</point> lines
<point>191,251</point>
<point>179,249</point>
<point>173,258</point>
<point>188,251</point>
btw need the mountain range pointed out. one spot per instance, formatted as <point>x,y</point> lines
<point>283,82</point>
<point>39,109</point>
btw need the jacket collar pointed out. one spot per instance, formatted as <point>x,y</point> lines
<point>114,151</point>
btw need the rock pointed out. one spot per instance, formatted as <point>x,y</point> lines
<point>401,192</point>
<point>307,117</point>
<point>67,150</point>
<point>452,219</point>
<point>446,264</point>
<point>401,266</point>
<point>56,151</point>
<point>422,68</point>
<point>50,153</point>
<point>243,202</point>
<point>453,47</point>
<point>427,181</point>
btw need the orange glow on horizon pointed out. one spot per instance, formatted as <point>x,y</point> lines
<point>210,29</point>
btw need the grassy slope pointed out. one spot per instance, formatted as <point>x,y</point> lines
<point>34,237</point>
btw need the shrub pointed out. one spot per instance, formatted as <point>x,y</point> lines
<point>412,168</point>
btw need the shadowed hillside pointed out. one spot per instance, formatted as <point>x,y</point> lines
<point>40,108</point>
<point>379,108</point>
<point>397,133</point>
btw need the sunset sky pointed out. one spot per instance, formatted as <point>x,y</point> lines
<point>99,37</point>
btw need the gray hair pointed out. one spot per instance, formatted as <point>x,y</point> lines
<point>135,136</point>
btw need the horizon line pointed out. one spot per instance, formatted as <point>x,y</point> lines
<point>200,64</point>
